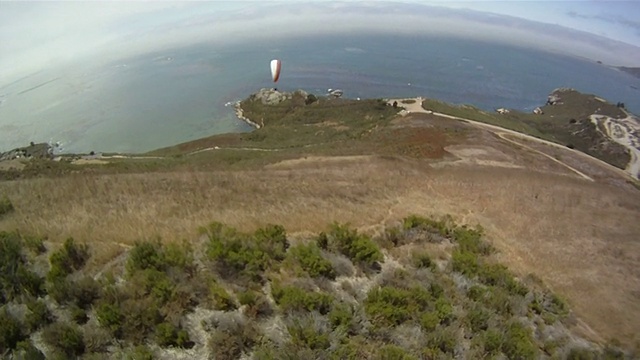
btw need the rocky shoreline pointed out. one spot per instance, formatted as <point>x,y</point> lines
<point>240,115</point>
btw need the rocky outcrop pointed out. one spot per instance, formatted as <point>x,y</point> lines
<point>37,151</point>
<point>273,96</point>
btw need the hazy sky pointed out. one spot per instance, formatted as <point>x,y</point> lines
<point>36,35</point>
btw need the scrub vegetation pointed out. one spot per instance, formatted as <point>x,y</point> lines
<point>339,294</point>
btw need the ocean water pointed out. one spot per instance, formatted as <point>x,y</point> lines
<point>161,99</point>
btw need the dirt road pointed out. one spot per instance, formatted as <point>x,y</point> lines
<point>416,107</point>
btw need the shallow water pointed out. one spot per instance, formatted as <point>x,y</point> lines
<point>178,95</point>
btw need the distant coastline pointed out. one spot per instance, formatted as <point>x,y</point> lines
<point>634,71</point>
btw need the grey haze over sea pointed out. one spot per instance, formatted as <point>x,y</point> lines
<point>177,95</point>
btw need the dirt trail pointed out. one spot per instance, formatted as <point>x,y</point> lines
<point>416,107</point>
<point>624,132</point>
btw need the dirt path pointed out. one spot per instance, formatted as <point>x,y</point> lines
<point>583,175</point>
<point>416,107</point>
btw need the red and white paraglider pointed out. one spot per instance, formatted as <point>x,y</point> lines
<point>276,65</point>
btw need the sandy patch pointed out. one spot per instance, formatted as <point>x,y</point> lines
<point>89,162</point>
<point>319,161</point>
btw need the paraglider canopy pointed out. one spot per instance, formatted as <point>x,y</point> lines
<point>275,69</point>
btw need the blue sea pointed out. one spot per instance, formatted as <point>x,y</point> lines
<point>164,98</point>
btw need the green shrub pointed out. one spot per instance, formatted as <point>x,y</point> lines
<point>78,314</point>
<point>256,304</point>
<point>499,275</point>
<point>273,240</point>
<point>35,244</point>
<point>322,241</point>
<point>6,206</point>
<point>476,293</point>
<point>11,332</point>
<point>444,309</point>
<point>392,352</point>
<point>85,292</point>
<point>15,277</point>
<point>492,340</point>
<point>442,227</point>
<point>305,335</point>
<point>422,260</point>
<point>357,247</point>
<point>292,298</point>
<point>443,340</point>
<point>169,335</point>
<point>470,240</point>
<point>230,343</point>
<point>71,257</point>
<point>518,343</point>
<point>310,259</point>
<point>27,351</point>
<point>389,306</point>
<point>556,305</point>
<point>38,315</point>
<point>140,352</point>
<point>220,298</point>
<point>465,262</point>
<point>341,316</point>
<point>65,338</point>
<point>140,318</point>
<point>429,321</point>
<point>110,317</point>
<point>179,256</point>
<point>146,255</point>
<point>500,301</point>
<point>478,319</point>
<point>246,255</point>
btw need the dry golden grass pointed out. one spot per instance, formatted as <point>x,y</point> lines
<point>581,237</point>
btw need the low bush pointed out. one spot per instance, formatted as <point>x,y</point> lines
<point>11,332</point>
<point>442,340</point>
<point>357,247</point>
<point>422,260</point>
<point>478,319</point>
<point>65,338</point>
<point>499,275</point>
<point>292,298</point>
<point>152,255</point>
<point>390,306</point>
<point>169,335</point>
<point>70,258</point>
<point>256,304</point>
<point>304,334</point>
<point>6,206</point>
<point>465,262</point>
<point>341,316</point>
<point>244,254</point>
<point>220,298</point>
<point>229,343</point>
<point>16,279</point>
<point>310,259</point>
<point>392,352</point>
<point>35,244</point>
<point>443,227</point>
<point>517,342</point>
<point>26,350</point>
<point>38,315</point>
<point>140,352</point>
